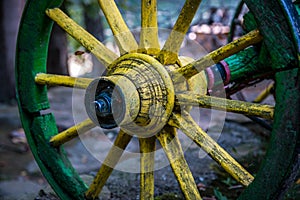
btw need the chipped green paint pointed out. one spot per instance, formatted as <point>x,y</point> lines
<point>245,66</point>
<point>32,47</point>
<point>281,33</point>
<point>217,55</point>
<point>276,28</point>
<point>282,151</point>
<point>55,159</point>
<point>31,58</point>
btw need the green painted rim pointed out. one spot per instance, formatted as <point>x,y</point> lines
<point>31,57</point>
<point>273,177</point>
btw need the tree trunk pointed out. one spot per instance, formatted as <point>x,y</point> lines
<point>58,52</point>
<point>94,26</point>
<point>10,13</point>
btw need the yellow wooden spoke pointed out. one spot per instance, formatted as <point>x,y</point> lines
<point>149,33</point>
<point>109,163</point>
<point>59,80</point>
<point>169,53</point>
<point>172,147</point>
<point>71,133</point>
<point>124,37</point>
<point>241,107</point>
<point>105,55</point>
<point>218,55</point>
<point>229,164</point>
<point>264,94</point>
<point>147,149</point>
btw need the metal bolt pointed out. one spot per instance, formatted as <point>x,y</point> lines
<point>103,105</point>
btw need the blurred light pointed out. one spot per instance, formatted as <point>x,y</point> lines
<point>192,36</point>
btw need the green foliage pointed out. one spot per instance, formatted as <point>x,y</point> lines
<point>219,194</point>
<point>229,181</point>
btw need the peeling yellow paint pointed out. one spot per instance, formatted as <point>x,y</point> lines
<point>124,37</point>
<point>149,33</point>
<point>170,50</point>
<point>59,80</point>
<point>242,107</point>
<point>104,55</point>
<point>172,147</point>
<point>264,94</point>
<point>192,130</point>
<point>216,56</point>
<point>109,163</point>
<point>71,133</point>
<point>147,150</point>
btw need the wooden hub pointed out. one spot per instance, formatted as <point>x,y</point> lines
<point>137,94</point>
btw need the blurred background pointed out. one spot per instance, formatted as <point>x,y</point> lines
<point>20,177</point>
<point>87,14</point>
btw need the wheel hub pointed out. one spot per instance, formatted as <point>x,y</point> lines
<point>137,94</point>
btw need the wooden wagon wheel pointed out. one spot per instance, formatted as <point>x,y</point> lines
<point>138,93</point>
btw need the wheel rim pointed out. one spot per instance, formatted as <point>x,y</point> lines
<point>30,105</point>
<point>45,141</point>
